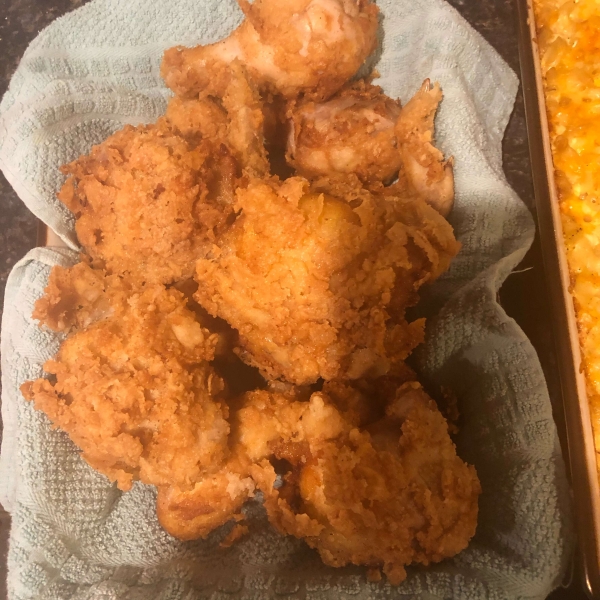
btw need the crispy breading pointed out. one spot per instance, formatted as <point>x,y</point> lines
<point>134,390</point>
<point>307,278</point>
<point>427,172</point>
<point>150,200</point>
<point>363,132</point>
<point>309,47</point>
<point>353,132</point>
<point>230,112</point>
<point>189,514</point>
<point>144,202</point>
<point>387,495</point>
<point>75,298</point>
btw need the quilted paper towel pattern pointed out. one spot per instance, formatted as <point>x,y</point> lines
<point>77,537</point>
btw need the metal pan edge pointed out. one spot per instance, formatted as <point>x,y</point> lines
<point>580,439</point>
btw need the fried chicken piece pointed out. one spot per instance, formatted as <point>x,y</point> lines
<point>218,497</point>
<point>309,47</point>
<point>75,298</point>
<point>351,133</point>
<point>147,201</point>
<point>78,296</point>
<point>263,418</point>
<point>213,501</point>
<point>151,199</point>
<point>230,112</point>
<point>427,172</point>
<point>364,132</point>
<point>388,495</point>
<point>134,389</point>
<point>307,278</point>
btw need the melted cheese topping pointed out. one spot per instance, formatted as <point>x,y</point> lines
<point>569,45</point>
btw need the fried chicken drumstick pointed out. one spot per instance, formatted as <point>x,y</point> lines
<point>299,47</point>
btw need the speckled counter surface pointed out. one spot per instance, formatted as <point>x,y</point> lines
<point>524,293</point>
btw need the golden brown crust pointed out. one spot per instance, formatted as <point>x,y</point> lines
<point>307,279</point>
<point>212,502</point>
<point>351,133</point>
<point>305,47</point>
<point>135,391</point>
<point>142,203</point>
<point>427,173</point>
<point>74,297</point>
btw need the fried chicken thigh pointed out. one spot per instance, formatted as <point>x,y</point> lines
<point>145,203</point>
<point>307,278</point>
<point>299,47</point>
<point>386,494</point>
<point>132,385</point>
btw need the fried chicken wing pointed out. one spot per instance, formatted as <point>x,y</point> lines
<point>364,132</point>
<point>307,278</point>
<point>309,47</point>
<point>132,386</point>
<point>385,496</point>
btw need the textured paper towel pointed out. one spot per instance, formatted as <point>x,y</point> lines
<point>74,535</point>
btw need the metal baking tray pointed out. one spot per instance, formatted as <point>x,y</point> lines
<point>581,451</point>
